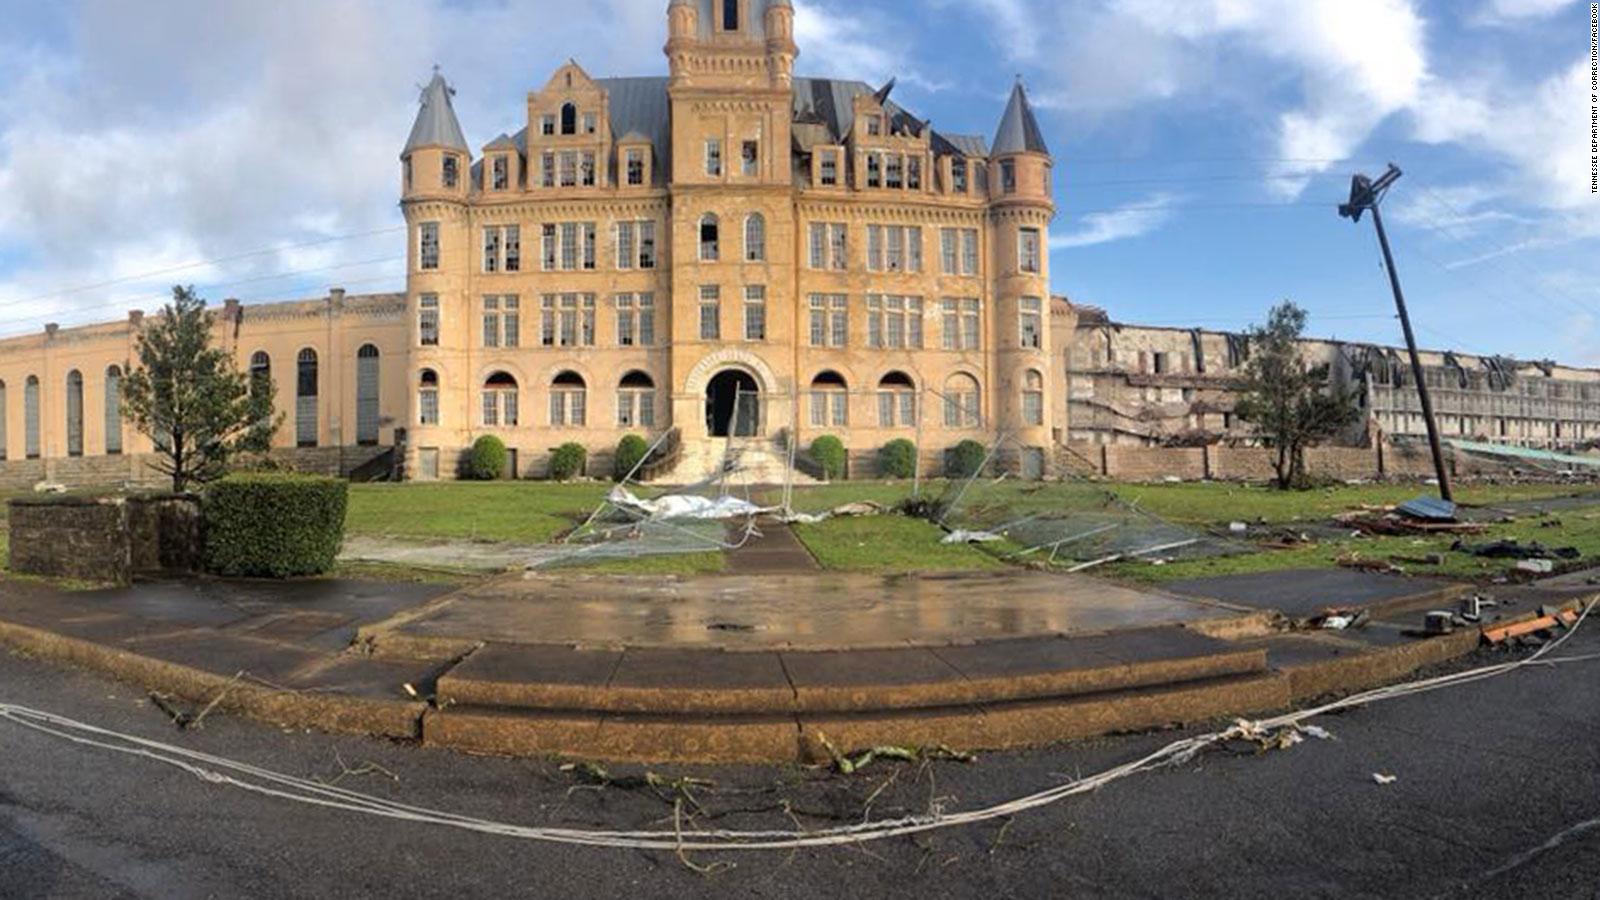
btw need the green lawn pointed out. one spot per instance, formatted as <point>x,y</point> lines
<point>889,544</point>
<point>517,512</point>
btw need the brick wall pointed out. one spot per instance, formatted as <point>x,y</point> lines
<point>1241,463</point>
<point>1155,463</point>
<point>1343,463</point>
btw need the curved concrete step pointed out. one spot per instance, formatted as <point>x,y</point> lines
<point>561,679</point>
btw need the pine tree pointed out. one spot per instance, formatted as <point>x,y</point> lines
<point>190,398</point>
<point>1291,404</point>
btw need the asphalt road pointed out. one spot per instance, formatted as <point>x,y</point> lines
<point>1487,775</point>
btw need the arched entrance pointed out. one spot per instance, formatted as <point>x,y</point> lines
<point>733,404</point>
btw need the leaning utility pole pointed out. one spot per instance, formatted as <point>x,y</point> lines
<point>1364,195</point>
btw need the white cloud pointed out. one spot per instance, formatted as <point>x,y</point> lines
<point>1501,12</point>
<point>1130,221</point>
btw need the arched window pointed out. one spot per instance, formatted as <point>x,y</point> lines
<point>568,400</point>
<point>500,406</point>
<point>305,399</point>
<point>260,370</point>
<point>897,401</point>
<point>755,238</point>
<point>830,400</point>
<point>30,417</point>
<point>569,118</point>
<point>961,409</point>
<point>428,398</point>
<point>636,401</point>
<point>1032,398</point>
<point>4,453</point>
<point>74,413</point>
<point>367,395</point>
<point>710,244</point>
<point>113,411</point>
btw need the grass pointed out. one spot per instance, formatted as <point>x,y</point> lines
<point>508,511</point>
<point>1211,502</point>
<point>889,544</point>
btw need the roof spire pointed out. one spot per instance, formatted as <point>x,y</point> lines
<point>436,123</point>
<point>1019,130</point>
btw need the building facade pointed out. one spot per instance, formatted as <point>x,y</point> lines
<point>727,250</point>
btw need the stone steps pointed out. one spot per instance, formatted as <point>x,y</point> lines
<point>756,461</point>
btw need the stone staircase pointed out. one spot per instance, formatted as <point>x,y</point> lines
<point>755,460</point>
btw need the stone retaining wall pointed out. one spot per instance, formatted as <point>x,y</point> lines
<point>104,539</point>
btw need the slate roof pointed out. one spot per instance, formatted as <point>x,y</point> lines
<point>1019,130</point>
<point>436,124</point>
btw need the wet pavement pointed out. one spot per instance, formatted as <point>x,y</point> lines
<point>1301,593</point>
<point>821,611</point>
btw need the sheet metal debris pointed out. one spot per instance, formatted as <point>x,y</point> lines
<point>1430,509</point>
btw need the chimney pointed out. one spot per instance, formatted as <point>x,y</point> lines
<point>336,296</point>
<point>50,331</point>
<point>230,309</point>
<point>135,317</point>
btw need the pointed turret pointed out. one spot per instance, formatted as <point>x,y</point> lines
<point>436,124</point>
<point>1019,130</point>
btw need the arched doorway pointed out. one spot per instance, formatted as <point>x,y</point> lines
<point>733,404</point>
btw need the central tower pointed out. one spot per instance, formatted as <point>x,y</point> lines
<point>731,182</point>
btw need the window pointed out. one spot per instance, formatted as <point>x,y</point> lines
<point>428,245</point>
<point>755,312</point>
<point>74,413</point>
<point>874,125</point>
<point>914,173</point>
<point>547,124</point>
<point>897,401</point>
<point>1008,176</point>
<point>958,176</point>
<point>894,248</point>
<point>961,402</point>
<point>960,323</point>
<point>750,156</point>
<point>894,322</point>
<point>1028,250</point>
<point>829,168</point>
<point>958,251</point>
<point>451,173</point>
<point>368,415</point>
<point>896,237</point>
<point>892,177</point>
<point>830,320</point>
<point>305,406</point>
<point>730,15</point>
<point>969,251</point>
<point>113,411</point>
<point>627,253</point>
<point>1030,321</point>
<point>568,245</point>
<point>829,246</point>
<point>710,312</point>
<point>512,245</point>
<point>502,321</point>
<point>875,248</point>
<point>500,401</point>
<point>838,244</point>
<point>428,320</point>
<point>569,118</point>
<point>547,169</point>
<point>566,320</point>
<point>491,249</point>
<point>636,401</point>
<point>714,157</point>
<point>635,167</point>
<point>647,245</point>
<point>501,178</point>
<point>710,245</point>
<point>569,168</point>
<point>1033,398</point>
<point>636,320</point>
<point>755,238</point>
<point>428,398</point>
<point>874,169</point>
<point>568,396</point>
<point>590,123</point>
<point>30,417</point>
<point>588,168</point>
<point>914,248</point>
<point>830,401</point>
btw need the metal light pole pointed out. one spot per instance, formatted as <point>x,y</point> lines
<point>1364,195</point>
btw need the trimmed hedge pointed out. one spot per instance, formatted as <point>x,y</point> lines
<point>567,462</point>
<point>630,452</point>
<point>273,525</point>
<point>486,461</point>
<point>897,459</point>
<point>829,453</point>
<point>965,459</point>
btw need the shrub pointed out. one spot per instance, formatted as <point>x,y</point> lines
<point>567,462</point>
<point>630,452</point>
<point>486,461</point>
<point>273,525</point>
<point>897,459</point>
<point>828,451</point>
<point>965,459</point>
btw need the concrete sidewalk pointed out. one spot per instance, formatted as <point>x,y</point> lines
<point>284,653</point>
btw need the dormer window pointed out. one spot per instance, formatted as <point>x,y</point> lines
<point>829,169</point>
<point>569,118</point>
<point>451,174</point>
<point>730,15</point>
<point>502,173</point>
<point>635,168</point>
<point>958,176</point>
<point>874,126</point>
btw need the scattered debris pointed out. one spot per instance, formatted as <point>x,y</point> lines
<point>49,487</point>
<point>846,764</point>
<point>1430,509</point>
<point>850,510</point>
<point>962,536</point>
<point>1354,560</point>
<point>1536,566</point>
<point>1437,622</point>
<point>1510,548</point>
<point>1341,619</point>
<point>684,506</point>
<point>1381,778</point>
<point>1238,527</point>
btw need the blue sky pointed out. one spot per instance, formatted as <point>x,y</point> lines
<point>1202,145</point>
